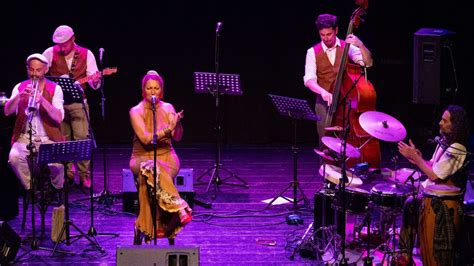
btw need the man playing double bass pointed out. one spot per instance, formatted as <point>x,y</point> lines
<point>323,61</point>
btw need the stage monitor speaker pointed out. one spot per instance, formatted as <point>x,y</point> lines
<point>152,255</point>
<point>432,66</point>
<point>183,182</point>
<point>9,244</point>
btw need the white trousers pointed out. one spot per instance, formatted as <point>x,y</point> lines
<point>18,160</point>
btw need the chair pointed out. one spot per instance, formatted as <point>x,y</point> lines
<point>45,194</point>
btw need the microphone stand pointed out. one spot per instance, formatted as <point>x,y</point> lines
<point>155,146</point>
<point>344,179</point>
<point>92,231</point>
<point>105,196</point>
<point>32,165</point>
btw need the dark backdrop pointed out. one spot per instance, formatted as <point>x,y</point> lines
<point>263,41</point>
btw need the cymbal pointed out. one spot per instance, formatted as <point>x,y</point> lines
<point>382,126</point>
<point>324,155</point>
<point>401,175</point>
<point>335,145</point>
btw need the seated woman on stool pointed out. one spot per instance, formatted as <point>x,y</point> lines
<point>172,211</point>
<point>437,215</point>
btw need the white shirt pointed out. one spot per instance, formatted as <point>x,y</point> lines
<point>57,102</point>
<point>91,63</point>
<point>354,54</point>
<point>446,163</point>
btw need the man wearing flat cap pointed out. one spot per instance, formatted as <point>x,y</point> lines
<point>66,58</point>
<point>38,105</point>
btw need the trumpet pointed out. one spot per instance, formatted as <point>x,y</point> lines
<point>32,99</point>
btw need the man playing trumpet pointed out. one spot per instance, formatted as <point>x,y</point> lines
<point>40,117</point>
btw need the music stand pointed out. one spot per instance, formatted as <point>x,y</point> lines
<point>296,109</point>
<point>228,84</point>
<point>72,91</point>
<point>63,152</point>
<point>75,94</point>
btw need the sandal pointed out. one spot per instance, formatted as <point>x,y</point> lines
<point>185,216</point>
<point>137,236</point>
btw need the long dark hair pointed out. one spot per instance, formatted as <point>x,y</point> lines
<point>459,126</point>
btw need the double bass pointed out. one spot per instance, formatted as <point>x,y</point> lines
<point>358,96</point>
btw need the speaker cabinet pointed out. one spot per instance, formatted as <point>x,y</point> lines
<point>152,255</point>
<point>432,67</point>
<point>183,182</point>
<point>9,244</point>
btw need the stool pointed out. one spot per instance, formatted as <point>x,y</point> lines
<point>45,194</point>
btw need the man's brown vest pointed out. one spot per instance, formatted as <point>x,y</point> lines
<point>51,128</point>
<point>326,72</point>
<point>59,66</point>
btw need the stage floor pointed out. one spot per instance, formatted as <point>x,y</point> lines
<point>238,229</point>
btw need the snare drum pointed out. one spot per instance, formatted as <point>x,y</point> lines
<point>447,196</point>
<point>390,196</point>
<point>356,200</point>
<point>333,174</point>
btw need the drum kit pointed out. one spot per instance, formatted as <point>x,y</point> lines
<point>388,196</point>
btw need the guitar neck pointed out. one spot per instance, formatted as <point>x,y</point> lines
<point>91,77</point>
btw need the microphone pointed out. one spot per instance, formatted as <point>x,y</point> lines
<point>437,140</point>
<point>101,54</point>
<point>153,99</point>
<point>218,27</point>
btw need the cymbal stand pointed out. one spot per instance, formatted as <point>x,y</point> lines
<point>389,246</point>
<point>368,258</point>
<point>344,179</point>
